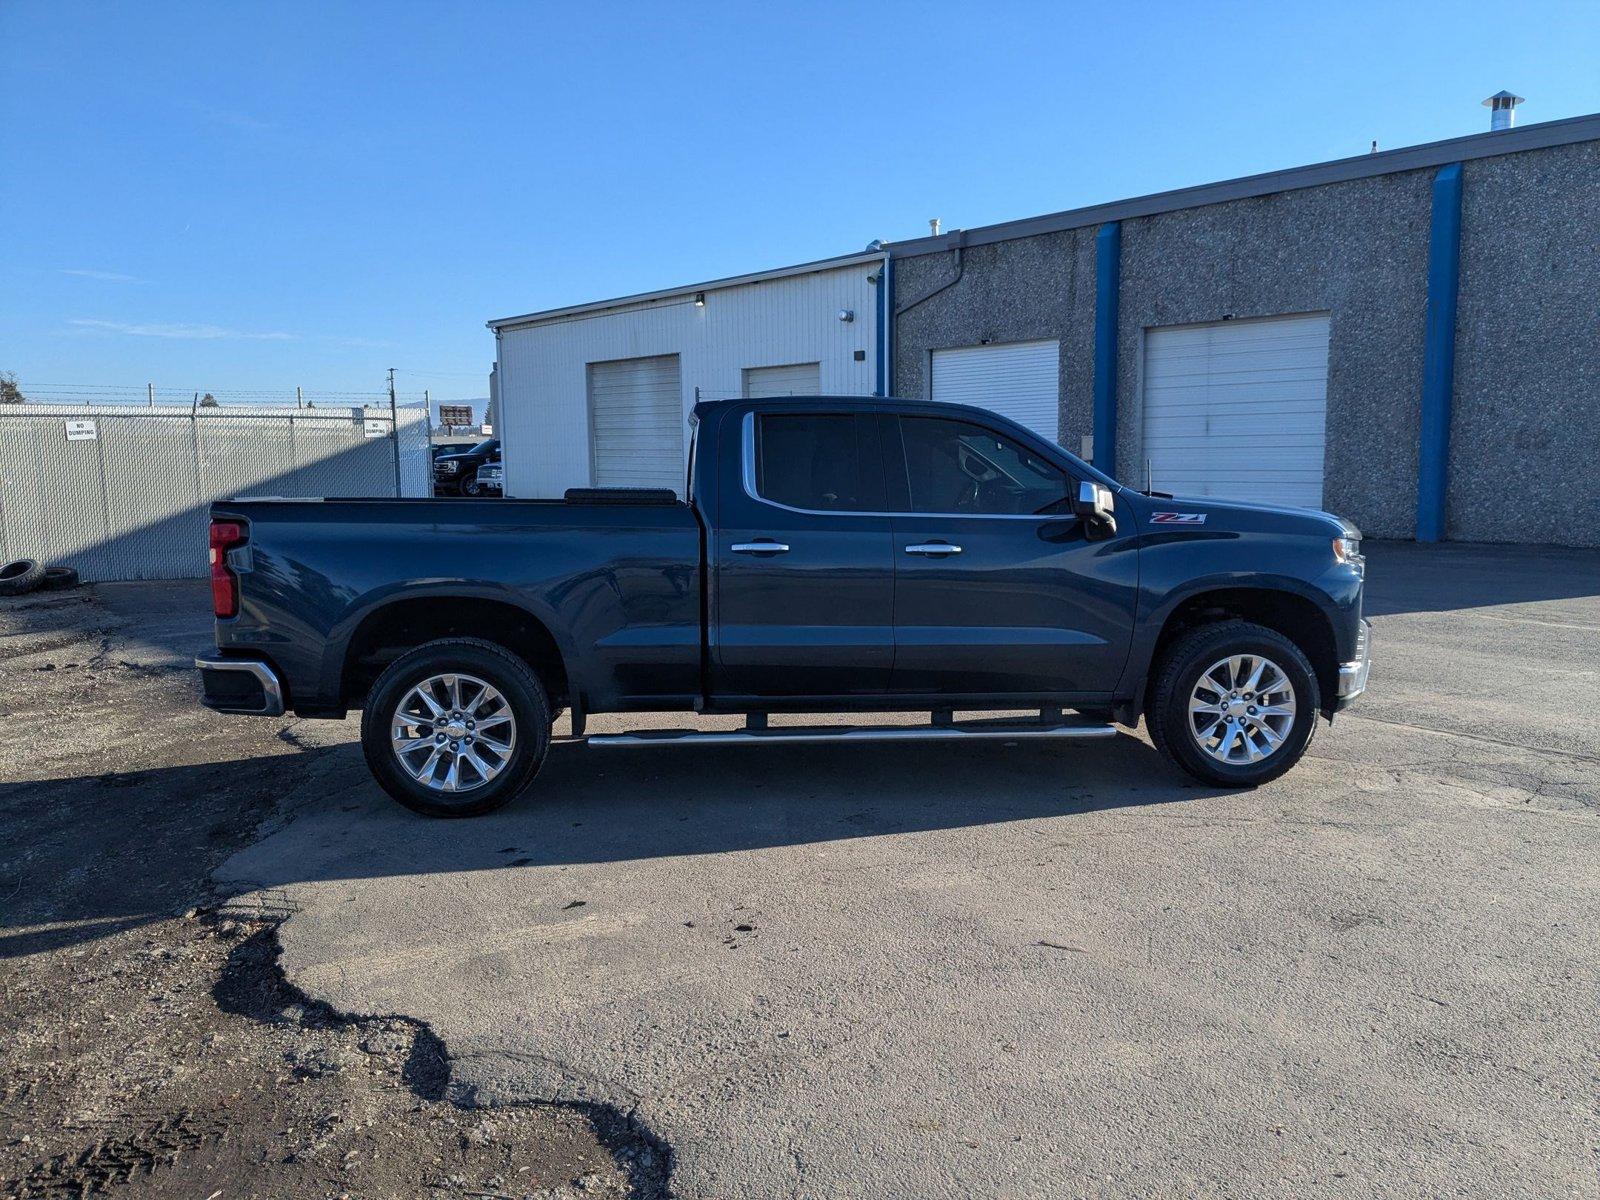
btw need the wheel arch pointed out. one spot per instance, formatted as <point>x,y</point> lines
<point>401,623</point>
<point>1285,606</point>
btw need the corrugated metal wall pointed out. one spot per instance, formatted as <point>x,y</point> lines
<point>544,414</point>
<point>130,501</point>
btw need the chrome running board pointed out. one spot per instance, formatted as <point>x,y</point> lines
<point>968,731</point>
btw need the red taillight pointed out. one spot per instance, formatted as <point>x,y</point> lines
<point>224,583</point>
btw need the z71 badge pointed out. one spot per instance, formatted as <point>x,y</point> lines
<point>1177,518</point>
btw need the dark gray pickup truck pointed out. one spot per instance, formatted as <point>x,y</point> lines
<point>835,555</point>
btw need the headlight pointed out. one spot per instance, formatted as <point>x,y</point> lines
<point>1348,550</point>
<point>447,468</point>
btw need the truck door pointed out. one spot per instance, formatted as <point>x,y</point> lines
<point>802,568</point>
<point>998,589</point>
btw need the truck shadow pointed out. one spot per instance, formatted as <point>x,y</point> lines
<point>604,806</point>
<point>586,806</point>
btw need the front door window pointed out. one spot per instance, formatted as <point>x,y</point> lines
<point>959,467</point>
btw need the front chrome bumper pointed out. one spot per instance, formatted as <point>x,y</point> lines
<point>246,686</point>
<point>1353,675</point>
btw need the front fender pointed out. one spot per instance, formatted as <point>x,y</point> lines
<point>1340,608</point>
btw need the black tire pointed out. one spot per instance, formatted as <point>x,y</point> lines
<point>494,664</point>
<point>1178,673</point>
<point>472,488</point>
<point>20,576</point>
<point>56,578</point>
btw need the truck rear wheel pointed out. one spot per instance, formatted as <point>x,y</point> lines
<point>456,727</point>
<point>1234,704</point>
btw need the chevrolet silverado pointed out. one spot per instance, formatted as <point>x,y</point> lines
<point>832,556</point>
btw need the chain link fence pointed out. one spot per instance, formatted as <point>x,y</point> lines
<point>121,492</point>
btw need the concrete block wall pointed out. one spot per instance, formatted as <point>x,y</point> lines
<point>1358,251</point>
<point>1527,372</point>
<point>1023,290</point>
<point>1525,427</point>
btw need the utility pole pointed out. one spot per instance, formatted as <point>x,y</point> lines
<point>394,429</point>
<point>150,394</point>
<point>297,399</point>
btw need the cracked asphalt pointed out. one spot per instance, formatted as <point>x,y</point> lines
<point>1031,970</point>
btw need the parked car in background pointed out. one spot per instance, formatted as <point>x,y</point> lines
<point>835,555</point>
<point>452,471</point>
<point>489,481</point>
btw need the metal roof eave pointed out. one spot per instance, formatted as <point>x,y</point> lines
<point>807,268</point>
<point>1488,144</point>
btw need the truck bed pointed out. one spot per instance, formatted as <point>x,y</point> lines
<point>625,579</point>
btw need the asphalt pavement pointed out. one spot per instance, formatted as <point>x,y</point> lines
<point>930,971</point>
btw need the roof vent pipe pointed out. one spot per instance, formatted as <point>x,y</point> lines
<point>933,224</point>
<point>1502,108</point>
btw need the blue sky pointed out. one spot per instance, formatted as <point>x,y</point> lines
<point>245,197</point>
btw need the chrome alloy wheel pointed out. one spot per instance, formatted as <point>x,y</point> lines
<point>453,733</point>
<point>1241,709</point>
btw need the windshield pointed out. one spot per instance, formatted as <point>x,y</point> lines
<point>484,447</point>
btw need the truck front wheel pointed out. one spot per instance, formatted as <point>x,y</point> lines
<point>1234,704</point>
<point>456,727</point>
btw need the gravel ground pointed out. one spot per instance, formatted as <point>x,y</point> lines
<point>155,1048</point>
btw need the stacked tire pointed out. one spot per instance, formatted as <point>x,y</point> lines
<point>24,575</point>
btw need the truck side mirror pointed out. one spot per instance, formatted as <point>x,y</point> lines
<point>1097,507</point>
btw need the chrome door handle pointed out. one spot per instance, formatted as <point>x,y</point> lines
<point>760,548</point>
<point>933,548</point>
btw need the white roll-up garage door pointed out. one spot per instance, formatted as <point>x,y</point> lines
<point>798,379</point>
<point>636,423</point>
<point>1238,409</point>
<point>1021,381</point>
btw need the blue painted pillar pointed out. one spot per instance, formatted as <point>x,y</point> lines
<point>1439,353</point>
<point>886,327</point>
<point>1107,289</point>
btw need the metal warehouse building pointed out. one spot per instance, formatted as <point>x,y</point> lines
<point>600,394</point>
<point>1409,338</point>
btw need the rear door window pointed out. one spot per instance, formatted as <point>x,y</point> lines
<point>826,462</point>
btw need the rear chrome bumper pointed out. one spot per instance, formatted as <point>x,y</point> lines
<point>245,686</point>
<point>1353,675</point>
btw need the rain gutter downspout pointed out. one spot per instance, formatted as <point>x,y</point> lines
<point>958,243</point>
<point>886,316</point>
<point>1107,293</point>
